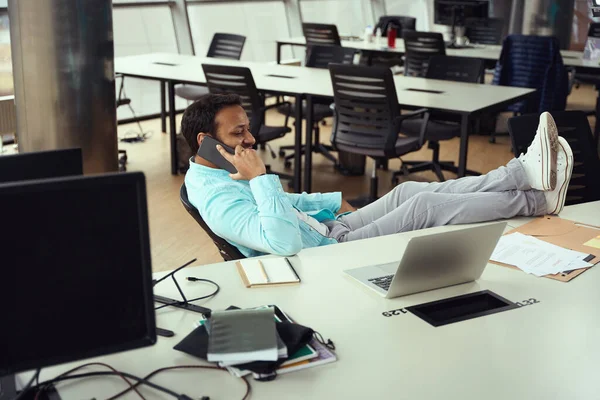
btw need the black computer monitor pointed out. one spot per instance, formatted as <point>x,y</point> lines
<point>454,12</point>
<point>75,272</point>
<point>40,165</point>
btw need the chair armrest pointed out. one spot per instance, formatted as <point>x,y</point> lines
<point>422,112</point>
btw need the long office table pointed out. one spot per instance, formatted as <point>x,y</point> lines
<point>466,100</point>
<point>487,52</point>
<point>547,350</point>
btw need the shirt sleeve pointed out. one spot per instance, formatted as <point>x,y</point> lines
<point>316,201</point>
<point>270,225</point>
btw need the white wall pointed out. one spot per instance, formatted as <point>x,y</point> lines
<point>262,22</point>
<point>138,31</point>
<point>350,16</point>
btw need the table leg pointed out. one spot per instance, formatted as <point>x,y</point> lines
<point>464,145</point>
<point>308,145</point>
<point>298,145</point>
<point>278,53</point>
<point>172,128</point>
<point>597,126</point>
<point>163,111</point>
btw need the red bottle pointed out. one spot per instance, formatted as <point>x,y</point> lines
<point>391,36</point>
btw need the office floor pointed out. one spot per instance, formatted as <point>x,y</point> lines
<point>175,236</point>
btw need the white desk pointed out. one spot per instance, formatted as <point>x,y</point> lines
<point>487,52</point>
<point>547,350</point>
<point>467,100</point>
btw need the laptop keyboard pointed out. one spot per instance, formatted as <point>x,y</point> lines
<point>383,282</point>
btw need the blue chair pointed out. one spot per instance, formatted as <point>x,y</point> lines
<point>533,62</point>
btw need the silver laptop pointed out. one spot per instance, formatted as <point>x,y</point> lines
<point>432,260</point>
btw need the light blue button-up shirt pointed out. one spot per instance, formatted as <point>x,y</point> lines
<point>257,216</point>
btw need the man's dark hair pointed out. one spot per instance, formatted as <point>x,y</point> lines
<point>200,116</point>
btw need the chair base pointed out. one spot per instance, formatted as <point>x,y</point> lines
<point>436,167</point>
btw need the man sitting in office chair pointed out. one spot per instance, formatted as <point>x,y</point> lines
<point>251,210</point>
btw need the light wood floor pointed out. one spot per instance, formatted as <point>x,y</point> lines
<point>175,236</point>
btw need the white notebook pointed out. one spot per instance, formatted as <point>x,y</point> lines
<point>267,271</point>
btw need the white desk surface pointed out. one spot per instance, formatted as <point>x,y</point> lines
<point>456,97</point>
<point>488,52</point>
<point>547,350</point>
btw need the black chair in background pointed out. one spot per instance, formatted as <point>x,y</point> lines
<point>484,30</point>
<point>419,48</point>
<point>41,165</point>
<point>223,45</point>
<point>324,34</point>
<point>590,78</point>
<point>367,117</point>
<point>574,127</point>
<point>225,79</point>
<point>402,22</point>
<point>318,56</point>
<point>442,126</point>
<point>228,251</point>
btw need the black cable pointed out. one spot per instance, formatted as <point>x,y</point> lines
<point>28,386</point>
<point>108,373</point>
<point>194,279</point>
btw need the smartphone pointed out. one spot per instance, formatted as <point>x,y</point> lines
<point>208,151</point>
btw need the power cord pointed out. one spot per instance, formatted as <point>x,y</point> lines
<point>132,136</point>
<point>25,389</point>
<point>194,279</point>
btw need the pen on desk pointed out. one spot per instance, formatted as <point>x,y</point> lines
<point>262,270</point>
<point>292,267</point>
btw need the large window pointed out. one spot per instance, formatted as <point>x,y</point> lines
<point>350,16</point>
<point>140,30</point>
<point>262,22</point>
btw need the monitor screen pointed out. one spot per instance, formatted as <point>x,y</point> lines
<point>41,165</point>
<point>445,11</point>
<point>75,272</point>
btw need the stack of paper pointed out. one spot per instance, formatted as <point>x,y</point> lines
<point>537,257</point>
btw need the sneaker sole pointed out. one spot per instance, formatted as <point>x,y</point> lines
<point>562,194</point>
<point>549,141</point>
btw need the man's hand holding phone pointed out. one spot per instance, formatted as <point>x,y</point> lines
<point>247,162</point>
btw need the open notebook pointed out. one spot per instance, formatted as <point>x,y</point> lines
<point>267,271</point>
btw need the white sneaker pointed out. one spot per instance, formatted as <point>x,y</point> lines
<point>555,200</point>
<point>540,160</point>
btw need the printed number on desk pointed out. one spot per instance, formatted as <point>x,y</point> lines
<point>529,302</point>
<point>391,313</point>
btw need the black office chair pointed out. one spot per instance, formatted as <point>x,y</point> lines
<point>442,126</point>
<point>324,34</point>
<point>228,251</point>
<point>578,78</point>
<point>239,80</point>
<point>402,22</point>
<point>484,30</point>
<point>574,127</point>
<point>367,117</point>
<point>223,45</point>
<point>419,48</point>
<point>318,56</point>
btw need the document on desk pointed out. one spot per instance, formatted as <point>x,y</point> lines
<point>537,257</point>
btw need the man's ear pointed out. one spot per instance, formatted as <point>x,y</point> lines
<point>200,137</point>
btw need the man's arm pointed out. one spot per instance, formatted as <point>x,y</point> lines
<point>269,226</point>
<point>316,201</point>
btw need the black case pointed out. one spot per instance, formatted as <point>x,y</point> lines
<point>208,151</point>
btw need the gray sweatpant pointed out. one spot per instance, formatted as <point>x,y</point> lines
<point>502,193</point>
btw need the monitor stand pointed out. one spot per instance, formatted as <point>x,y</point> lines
<point>8,390</point>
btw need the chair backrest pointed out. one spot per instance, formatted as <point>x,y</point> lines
<point>419,47</point>
<point>228,251</point>
<point>534,62</point>
<point>226,45</point>
<point>366,107</point>
<point>319,56</point>
<point>459,69</point>
<point>594,30</point>
<point>574,127</point>
<point>403,23</point>
<point>222,79</point>
<point>484,30</point>
<point>324,34</point>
